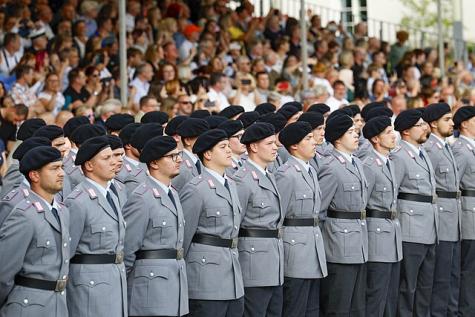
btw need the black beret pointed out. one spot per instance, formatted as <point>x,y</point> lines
<point>200,114</point>
<point>84,132</point>
<point>353,110</point>
<point>295,104</point>
<point>406,119</point>
<point>319,107</point>
<point>463,114</point>
<point>90,148</point>
<point>74,123</point>
<point>29,144</point>
<point>337,126</point>
<point>435,111</point>
<point>192,127</point>
<point>215,120</point>
<point>294,133</point>
<point>115,142</point>
<point>276,119</point>
<point>50,132</point>
<point>369,107</point>
<point>375,126</point>
<point>379,111</point>
<point>157,147</point>
<point>265,108</point>
<point>155,117</point>
<point>173,124</point>
<point>144,133</point>
<point>288,111</point>
<point>128,131</point>
<point>231,127</point>
<point>231,111</point>
<point>39,157</point>
<point>257,131</point>
<point>248,118</point>
<point>339,112</point>
<point>118,121</point>
<point>28,128</point>
<point>314,118</point>
<point>209,139</point>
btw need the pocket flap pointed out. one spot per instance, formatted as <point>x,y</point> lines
<point>444,169</point>
<point>161,222</point>
<point>382,188</point>
<point>215,212</point>
<point>294,238</point>
<point>379,227</point>
<point>91,279</point>
<point>411,211</point>
<point>345,227</point>
<point>45,242</point>
<point>203,258</point>
<point>351,187</point>
<point>260,202</point>
<point>96,228</point>
<point>151,272</point>
<point>304,195</point>
<point>28,298</point>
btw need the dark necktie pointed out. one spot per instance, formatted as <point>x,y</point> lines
<point>114,190</point>
<point>310,173</point>
<point>387,164</point>
<point>353,162</point>
<point>421,155</point>
<point>239,162</point>
<point>55,214</point>
<point>111,202</point>
<point>170,195</point>
<point>226,184</point>
<point>198,166</point>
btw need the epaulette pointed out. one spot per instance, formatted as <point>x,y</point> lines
<point>71,169</point>
<point>10,195</point>
<point>23,205</point>
<point>196,180</point>
<point>284,167</point>
<point>140,190</point>
<point>241,173</point>
<point>38,206</point>
<point>75,193</point>
<point>297,168</point>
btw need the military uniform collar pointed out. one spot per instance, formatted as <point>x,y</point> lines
<point>413,147</point>
<point>192,156</point>
<point>216,175</point>
<point>48,204</point>
<point>74,151</point>
<point>165,188</point>
<point>303,163</point>
<point>439,139</point>
<point>381,156</point>
<point>25,182</point>
<point>469,140</point>
<point>132,161</point>
<point>100,188</point>
<point>260,169</point>
<point>347,156</point>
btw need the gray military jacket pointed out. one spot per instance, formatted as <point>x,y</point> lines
<point>447,179</point>
<point>301,198</point>
<point>131,176</point>
<point>188,170</point>
<point>344,188</point>
<point>12,178</point>
<point>72,172</point>
<point>464,153</point>
<point>364,148</point>
<point>34,245</point>
<point>321,151</point>
<point>13,198</point>
<point>214,273</point>
<point>282,157</point>
<point>262,259</point>
<point>156,287</point>
<point>384,235</point>
<point>96,289</point>
<point>419,220</point>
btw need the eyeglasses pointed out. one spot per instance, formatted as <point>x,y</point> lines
<point>174,156</point>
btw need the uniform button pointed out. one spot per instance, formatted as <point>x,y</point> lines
<point>66,261</point>
<point>25,301</point>
<point>120,241</point>
<point>362,223</point>
<point>234,213</point>
<point>293,241</point>
<point>47,242</point>
<point>252,249</point>
<point>316,235</point>
<point>180,240</point>
<point>345,231</point>
<point>64,277</point>
<point>447,170</point>
<point>62,293</point>
<point>164,223</point>
<point>235,227</point>
<point>441,208</point>
<point>65,245</point>
<point>394,201</point>
<point>203,260</point>
<point>411,211</point>
<point>91,282</point>
<point>262,204</point>
<point>151,274</point>
<point>103,228</point>
<point>69,239</point>
<point>384,188</point>
<point>352,187</point>
<point>184,221</point>
<point>417,175</point>
<point>304,196</point>
<point>179,225</point>
<point>218,213</point>
<point>378,229</point>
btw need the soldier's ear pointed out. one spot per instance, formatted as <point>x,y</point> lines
<point>34,176</point>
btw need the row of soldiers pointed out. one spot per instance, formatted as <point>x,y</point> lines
<point>255,214</point>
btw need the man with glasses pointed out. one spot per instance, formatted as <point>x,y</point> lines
<point>185,107</point>
<point>418,214</point>
<point>154,253</point>
<point>235,131</point>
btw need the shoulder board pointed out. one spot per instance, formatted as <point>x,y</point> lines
<point>75,193</point>
<point>128,168</point>
<point>196,180</point>
<point>328,159</point>
<point>254,175</point>
<point>71,169</point>
<point>24,205</point>
<point>240,173</point>
<point>142,189</point>
<point>469,146</point>
<point>284,167</point>
<point>10,195</point>
<point>369,160</point>
<point>92,193</point>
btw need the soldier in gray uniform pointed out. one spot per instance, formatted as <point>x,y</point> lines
<point>34,243</point>
<point>13,177</point>
<point>261,251</point>
<point>118,152</point>
<point>235,130</point>
<point>97,284</point>
<point>384,229</point>
<point>304,253</point>
<point>344,193</point>
<point>16,195</point>
<point>317,122</point>
<point>132,171</point>
<point>213,216</point>
<point>417,212</point>
<point>464,153</point>
<point>445,291</point>
<point>154,236</point>
<point>191,167</point>
<point>68,130</point>
<point>279,122</point>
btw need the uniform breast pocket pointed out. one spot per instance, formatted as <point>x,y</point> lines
<point>352,194</point>
<point>46,246</point>
<point>443,171</point>
<point>216,217</point>
<point>103,236</point>
<point>260,206</point>
<point>150,286</point>
<point>383,192</point>
<point>163,228</point>
<point>416,178</point>
<point>204,271</point>
<point>304,202</point>
<point>347,238</point>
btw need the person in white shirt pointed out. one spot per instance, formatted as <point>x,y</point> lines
<point>144,74</point>
<point>338,99</point>
<point>217,83</point>
<point>10,54</point>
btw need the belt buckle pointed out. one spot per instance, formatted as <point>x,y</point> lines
<point>119,257</point>
<point>280,233</point>
<point>234,243</point>
<point>179,254</point>
<point>60,285</point>
<point>363,214</point>
<point>434,198</point>
<point>459,194</point>
<point>393,214</point>
<point>316,221</point>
